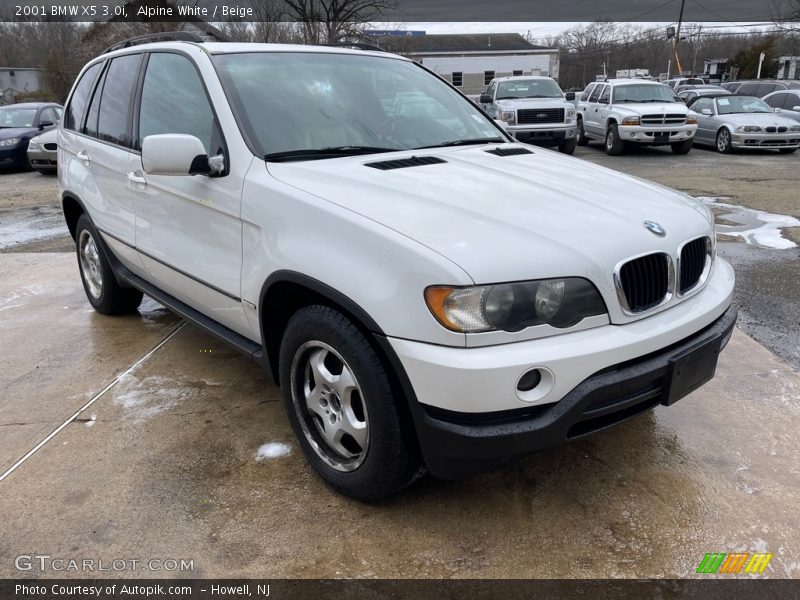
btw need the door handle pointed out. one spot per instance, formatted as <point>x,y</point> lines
<point>136,177</point>
<point>84,156</point>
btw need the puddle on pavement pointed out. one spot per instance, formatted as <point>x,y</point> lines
<point>24,225</point>
<point>754,227</point>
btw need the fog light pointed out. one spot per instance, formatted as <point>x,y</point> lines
<point>633,135</point>
<point>529,380</point>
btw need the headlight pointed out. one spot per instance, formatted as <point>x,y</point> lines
<point>631,121</point>
<point>9,142</point>
<point>691,120</point>
<point>32,145</point>
<point>509,117</point>
<point>748,129</point>
<point>570,114</point>
<point>560,303</point>
<point>795,128</point>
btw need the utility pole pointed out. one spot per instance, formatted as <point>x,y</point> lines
<point>677,40</point>
<point>760,62</point>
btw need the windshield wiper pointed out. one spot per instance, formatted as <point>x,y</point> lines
<point>321,153</point>
<point>464,142</point>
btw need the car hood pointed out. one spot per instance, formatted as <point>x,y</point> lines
<point>8,133</point>
<point>654,108</point>
<point>533,103</point>
<point>757,119</point>
<point>51,135</point>
<point>509,218</point>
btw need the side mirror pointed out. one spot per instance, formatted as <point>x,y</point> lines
<point>486,99</point>
<point>570,96</point>
<point>177,154</point>
<point>45,124</point>
<point>796,108</point>
<point>706,111</point>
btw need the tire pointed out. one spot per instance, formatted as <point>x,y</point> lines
<point>787,150</point>
<point>614,145</point>
<point>724,141</point>
<point>682,147</point>
<point>103,291</point>
<point>568,147</point>
<point>381,457</point>
<point>581,139</point>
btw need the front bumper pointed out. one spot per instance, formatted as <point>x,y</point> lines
<point>766,140</point>
<point>13,157</point>
<point>456,444</point>
<point>39,158</point>
<point>657,136</point>
<point>544,135</point>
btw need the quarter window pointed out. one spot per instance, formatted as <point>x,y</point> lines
<point>517,73</point>
<point>604,97</point>
<point>596,93</point>
<point>458,78</point>
<point>587,92</point>
<point>77,105</point>
<point>487,77</point>
<point>174,101</point>
<point>112,120</point>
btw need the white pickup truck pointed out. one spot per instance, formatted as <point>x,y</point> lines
<point>534,109</point>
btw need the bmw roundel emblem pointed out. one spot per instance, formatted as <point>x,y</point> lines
<point>655,228</point>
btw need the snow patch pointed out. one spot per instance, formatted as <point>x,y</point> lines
<point>92,420</point>
<point>23,225</point>
<point>755,227</point>
<point>272,450</point>
<point>146,398</point>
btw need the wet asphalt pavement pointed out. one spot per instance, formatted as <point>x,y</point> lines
<point>180,448</point>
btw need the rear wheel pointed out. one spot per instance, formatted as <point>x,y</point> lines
<point>567,147</point>
<point>581,139</point>
<point>614,145</point>
<point>103,291</point>
<point>348,419</point>
<point>682,147</point>
<point>724,141</point>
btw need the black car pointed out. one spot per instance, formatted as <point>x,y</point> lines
<point>760,87</point>
<point>18,124</point>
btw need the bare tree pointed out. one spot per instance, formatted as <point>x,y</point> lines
<point>334,20</point>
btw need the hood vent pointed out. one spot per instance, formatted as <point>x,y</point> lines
<point>508,151</point>
<point>403,163</point>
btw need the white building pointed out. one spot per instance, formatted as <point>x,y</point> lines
<point>15,81</point>
<point>789,67</point>
<point>471,61</point>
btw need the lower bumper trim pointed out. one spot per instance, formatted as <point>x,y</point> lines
<point>455,445</point>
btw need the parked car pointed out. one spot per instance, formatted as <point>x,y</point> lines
<point>676,82</point>
<point>761,87</point>
<point>732,122</point>
<point>426,291</point>
<point>18,124</point>
<point>623,111</point>
<point>689,93</point>
<point>42,154</point>
<point>786,101</point>
<point>535,110</point>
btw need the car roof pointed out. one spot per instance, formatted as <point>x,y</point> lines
<point>31,105</point>
<point>626,81</point>
<point>521,77</point>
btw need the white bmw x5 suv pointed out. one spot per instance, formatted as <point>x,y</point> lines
<point>427,292</point>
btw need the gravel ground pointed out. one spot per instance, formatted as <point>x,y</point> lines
<point>768,283</point>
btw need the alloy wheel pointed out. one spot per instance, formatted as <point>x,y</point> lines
<point>91,268</point>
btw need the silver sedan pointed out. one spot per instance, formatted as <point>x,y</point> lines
<point>732,122</point>
<point>42,152</point>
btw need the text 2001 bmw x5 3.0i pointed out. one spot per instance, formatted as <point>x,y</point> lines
<point>427,292</point>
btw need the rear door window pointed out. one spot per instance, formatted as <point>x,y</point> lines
<point>747,89</point>
<point>80,97</point>
<point>113,119</point>
<point>587,92</point>
<point>595,93</point>
<point>605,95</point>
<point>766,88</point>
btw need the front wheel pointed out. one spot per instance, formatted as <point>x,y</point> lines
<point>724,141</point>
<point>614,144</point>
<point>682,147</point>
<point>348,418</point>
<point>567,147</point>
<point>581,138</point>
<point>103,291</point>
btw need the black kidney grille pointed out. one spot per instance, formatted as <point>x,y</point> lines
<point>693,262</point>
<point>51,146</point>
<point>530,116</point>
<point>508,151</point>
<point>403,163</point>
<point>645,281</point>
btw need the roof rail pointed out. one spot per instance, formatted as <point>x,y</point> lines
<point>357,45</point>
<point>165,36</point>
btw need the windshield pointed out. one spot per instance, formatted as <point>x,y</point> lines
<point>17,117</point>
<point>644,93</point>
<point>528,88</point>
<point>304,101</point>
<point>741,104</point>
